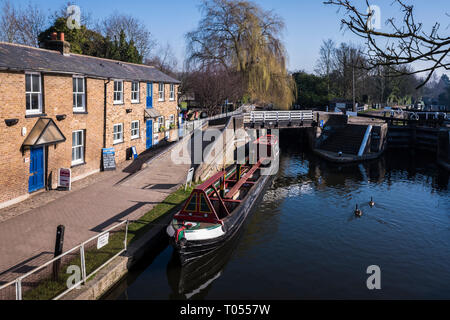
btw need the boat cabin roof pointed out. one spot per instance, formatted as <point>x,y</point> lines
<point>199,206</point>
<point>211,181</point>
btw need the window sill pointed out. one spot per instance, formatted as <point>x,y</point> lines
<point>161,100</point>
<point>135,102</point>
<point>78,164</point>
<point>80,112</point>
<point>37,115</point>
<point>118,103</point>
<point>135,138</point>
<point>117,143</point>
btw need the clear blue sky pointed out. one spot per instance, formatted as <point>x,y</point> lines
<point>308,22</point>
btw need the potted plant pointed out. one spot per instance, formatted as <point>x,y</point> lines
<point>172,126</point>
<point>162,129</point>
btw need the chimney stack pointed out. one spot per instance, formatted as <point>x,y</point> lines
<point>57,44</point>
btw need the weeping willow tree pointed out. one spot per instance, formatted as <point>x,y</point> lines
<point>244,38</point>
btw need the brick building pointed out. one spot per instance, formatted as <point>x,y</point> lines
<point>59,110</point>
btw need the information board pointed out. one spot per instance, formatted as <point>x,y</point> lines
<point>102,240</point>
<point>109,159</point>
<point>134,151</point>
<point>189,178</point>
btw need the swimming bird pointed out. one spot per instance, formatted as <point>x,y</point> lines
<point>371,203</point>
<point>358,211</point>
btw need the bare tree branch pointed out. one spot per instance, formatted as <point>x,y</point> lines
<point>405,44</point>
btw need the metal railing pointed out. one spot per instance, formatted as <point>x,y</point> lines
<point>223,115</point>
<point>278,116</point>
<point>68,271</point>
<point>189,126</point>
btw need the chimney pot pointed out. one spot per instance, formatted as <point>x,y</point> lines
<point>57,44</point>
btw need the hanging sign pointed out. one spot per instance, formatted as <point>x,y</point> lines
<point>109,159</point>
<point>64,179</point>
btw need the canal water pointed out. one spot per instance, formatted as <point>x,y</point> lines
<point>303,240</point>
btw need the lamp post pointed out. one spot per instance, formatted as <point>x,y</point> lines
<point>353,76</point>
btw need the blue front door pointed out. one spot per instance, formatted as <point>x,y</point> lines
<point>36,179</point>
<point>149,95</point>
<point>149,135</point>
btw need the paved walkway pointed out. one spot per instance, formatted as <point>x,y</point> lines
<point>28,239</point>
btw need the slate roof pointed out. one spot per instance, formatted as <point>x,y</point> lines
<point>24,58</point>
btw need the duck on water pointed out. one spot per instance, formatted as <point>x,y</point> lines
<point>216,209</point>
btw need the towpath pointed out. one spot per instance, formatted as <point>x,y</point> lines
<point>27,232</point>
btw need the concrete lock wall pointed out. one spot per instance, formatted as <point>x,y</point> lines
<point>378,139</point>
<point>444,145</point>
<point>331,122</point>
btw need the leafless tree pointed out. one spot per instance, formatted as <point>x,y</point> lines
<point>135,30</point>
<point>21,25</point>
<point>8,22</point>
<point>212,86</point>
<point>406,43</point>
<point>164,60</point>
<point>325,61</point>
<point>31,21</point>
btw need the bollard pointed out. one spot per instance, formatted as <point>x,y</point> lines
<point>58,250</point>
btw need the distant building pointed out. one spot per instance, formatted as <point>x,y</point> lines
<point>340,105</point>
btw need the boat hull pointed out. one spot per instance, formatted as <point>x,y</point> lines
<point>189,251</point>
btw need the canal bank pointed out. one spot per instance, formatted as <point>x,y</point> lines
<point>144,243</point>
<point>303,241</point>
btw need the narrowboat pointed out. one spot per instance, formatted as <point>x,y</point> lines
<point>216,209</point>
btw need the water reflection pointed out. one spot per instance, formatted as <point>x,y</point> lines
<point>304,241</point>
<point>193,281</point>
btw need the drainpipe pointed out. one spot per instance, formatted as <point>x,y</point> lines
<point>105,112</point>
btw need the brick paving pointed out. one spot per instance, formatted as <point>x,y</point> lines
<point>28,229</point>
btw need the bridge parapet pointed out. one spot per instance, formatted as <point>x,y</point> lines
<point>280,118</point>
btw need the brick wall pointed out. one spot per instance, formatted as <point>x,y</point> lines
<point>13,169</point>
<point>166,108</point>
<point>117,114</point>
<point>57,100</point>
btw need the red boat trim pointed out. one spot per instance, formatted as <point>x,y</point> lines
<point>199,206</point>
<point>244,180</point>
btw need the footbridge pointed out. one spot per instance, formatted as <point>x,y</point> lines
<point>279,119</point>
